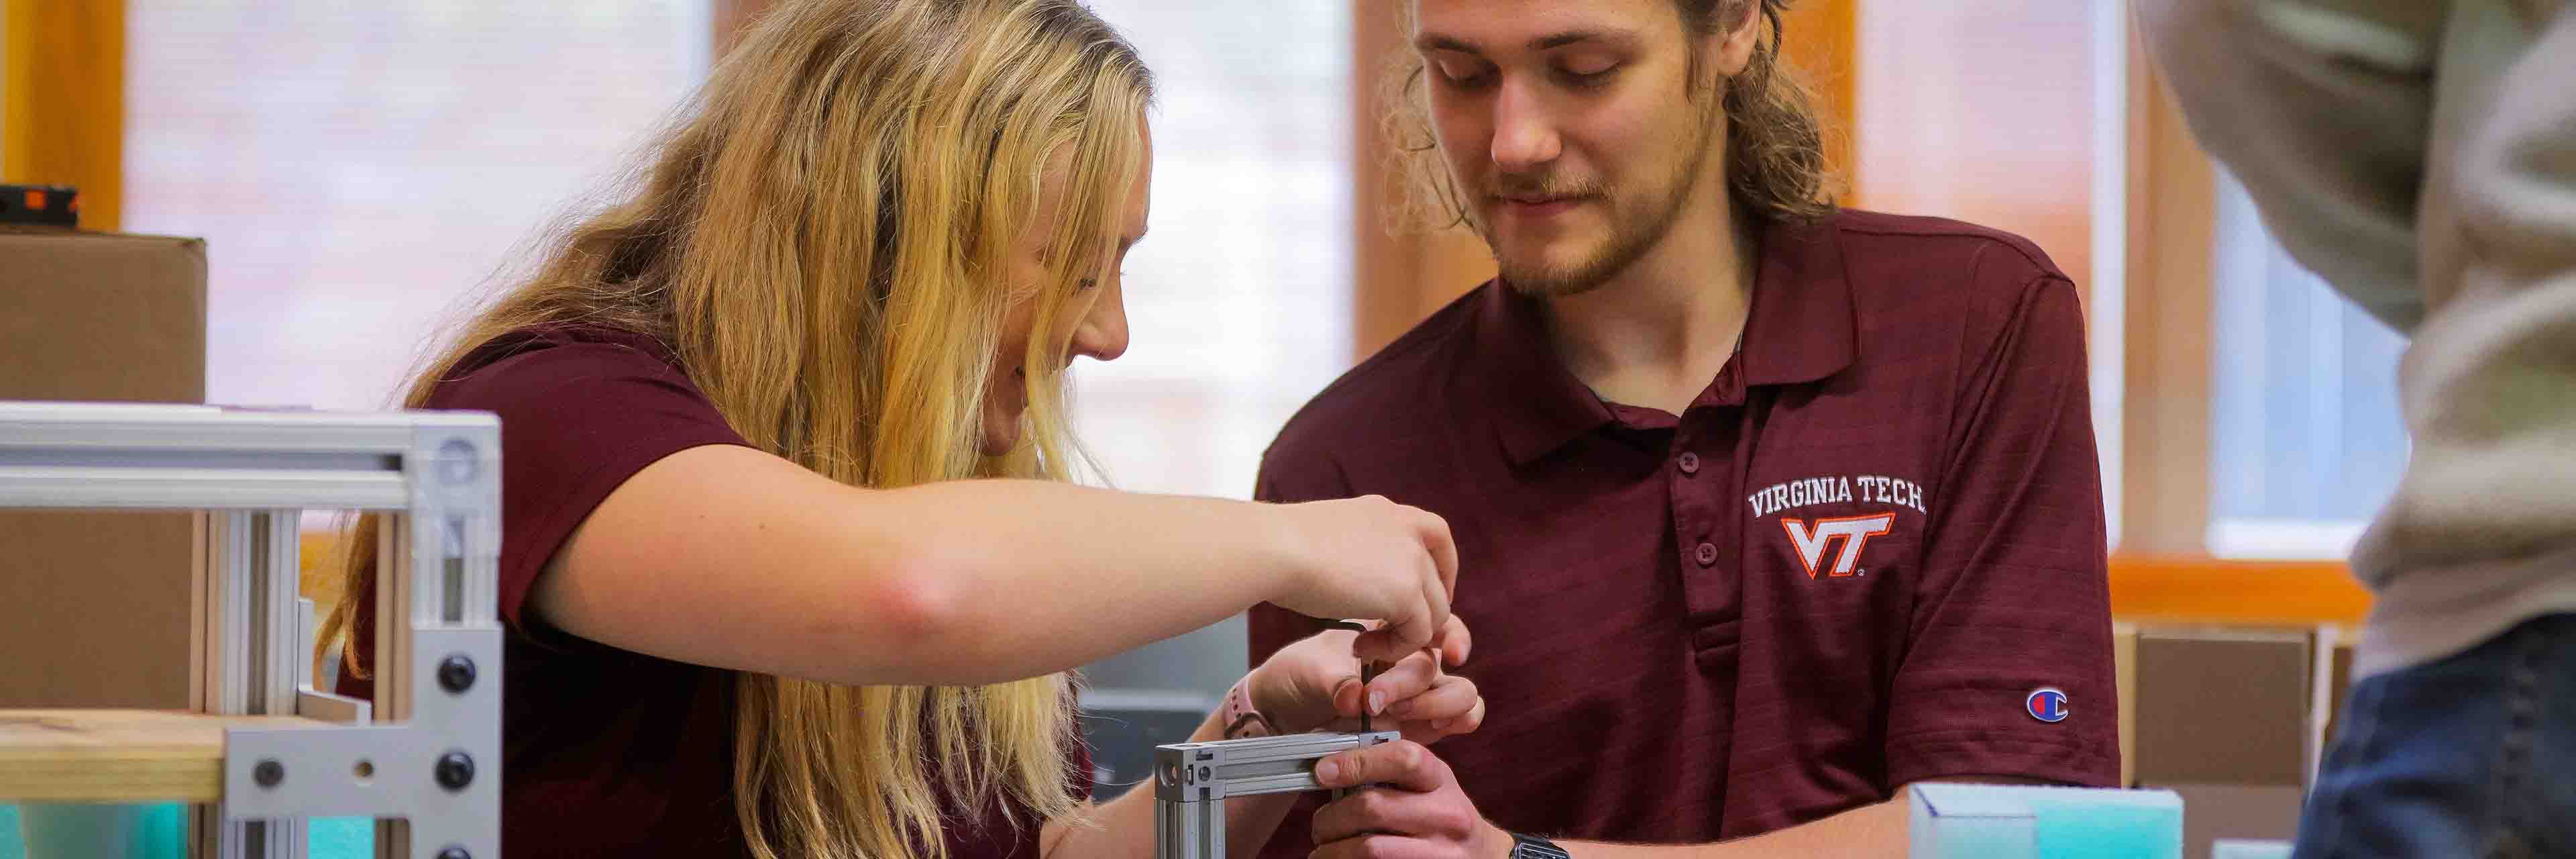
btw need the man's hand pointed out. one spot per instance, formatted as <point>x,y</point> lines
<point>1315,683</point>
<point>1410,808</point>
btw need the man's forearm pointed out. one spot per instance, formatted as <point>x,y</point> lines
<point>1870,830</point>
<point>1878,829</point>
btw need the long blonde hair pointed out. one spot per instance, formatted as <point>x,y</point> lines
<point>818,237</point>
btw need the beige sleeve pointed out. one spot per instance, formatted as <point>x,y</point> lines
<point>2322,108</point>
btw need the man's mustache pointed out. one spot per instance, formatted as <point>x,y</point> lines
<point>1540,186</point>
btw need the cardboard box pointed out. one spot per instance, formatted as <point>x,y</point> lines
<point>96,607</point>
<point>2222,706</point>
<point>2223,718</point>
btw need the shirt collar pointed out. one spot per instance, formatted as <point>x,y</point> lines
<point>1798,330</point>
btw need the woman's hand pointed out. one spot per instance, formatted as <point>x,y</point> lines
<point>1315,683</point>
<point>1375,559</point>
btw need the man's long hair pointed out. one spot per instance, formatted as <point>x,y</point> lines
<point>1775,157</point>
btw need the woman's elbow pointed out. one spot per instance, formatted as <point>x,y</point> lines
<point>914,602</point>
<point>908,620</point>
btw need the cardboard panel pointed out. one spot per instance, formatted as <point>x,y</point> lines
<point>96,607</point>
<point>2222,707</point>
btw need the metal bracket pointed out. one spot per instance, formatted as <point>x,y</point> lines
<point>434,758</point>
<point>1193,780</point>
<point>441,771</point>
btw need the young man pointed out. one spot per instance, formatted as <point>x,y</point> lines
<point>2421,157</point>
<point>1764,509</point>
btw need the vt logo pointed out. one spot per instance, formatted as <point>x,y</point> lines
<point>1855,531</point>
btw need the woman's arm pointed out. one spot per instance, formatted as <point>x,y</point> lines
<point>730,557</point>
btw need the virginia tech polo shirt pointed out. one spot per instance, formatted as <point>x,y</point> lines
<point>1870,552</point>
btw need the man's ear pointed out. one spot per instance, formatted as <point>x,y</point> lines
<point>1732,47</point>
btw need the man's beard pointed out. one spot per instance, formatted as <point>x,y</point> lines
<point>1634,229</point>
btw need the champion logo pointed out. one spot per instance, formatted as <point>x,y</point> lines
<point>2046,703</point>
<point>1855,531</point>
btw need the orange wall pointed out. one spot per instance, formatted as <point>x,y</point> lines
<point>62,100</point>
<point>1981,112</point>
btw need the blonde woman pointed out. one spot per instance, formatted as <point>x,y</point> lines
<point>756,606</point>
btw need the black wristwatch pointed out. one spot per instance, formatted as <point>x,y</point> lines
<point>1534,847</point>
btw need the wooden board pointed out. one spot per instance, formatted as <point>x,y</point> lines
<point>118,755</point>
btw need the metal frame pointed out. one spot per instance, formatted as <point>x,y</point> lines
<point>428,764</point>
<point>1193,780</point>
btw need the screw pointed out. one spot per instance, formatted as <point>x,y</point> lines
<point>456,462</point>
<point>456,673</point>
<point>268,773</point>
<point>455,853</point>
<point>454,771</point>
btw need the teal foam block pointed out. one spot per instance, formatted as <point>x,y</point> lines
<point>157,831</point>
<point>50,830</point>
<point>340,838</point>
<point>1976,821</point>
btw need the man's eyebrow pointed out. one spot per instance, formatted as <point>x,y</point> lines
<point>1569,37</point>
<point>1444,42</point>
<point>1439,42</point>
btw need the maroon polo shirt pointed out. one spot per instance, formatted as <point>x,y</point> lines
<point>609,752</point>
<point>1851,563</point>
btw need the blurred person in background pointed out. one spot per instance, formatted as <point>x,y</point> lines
<point>2421,157</point>
<point>790,562</point>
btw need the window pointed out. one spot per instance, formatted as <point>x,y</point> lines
<point>358,169</point>
<point>1238,305</point>
<point>2305,439</point>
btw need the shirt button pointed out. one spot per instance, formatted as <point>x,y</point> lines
<point>1707,554</point>
<point>1690,463</point>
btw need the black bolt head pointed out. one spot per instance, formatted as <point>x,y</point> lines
<point>454,771</point>
<point>268,773</point>
<point>456,673</point>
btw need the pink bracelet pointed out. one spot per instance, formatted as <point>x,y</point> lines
<point>1240,719</point>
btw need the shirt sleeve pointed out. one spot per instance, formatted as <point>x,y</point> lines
<point>2324,111</point>
<point>2014,597</point>
<point>576,421</point>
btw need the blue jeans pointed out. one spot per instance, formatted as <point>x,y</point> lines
<point>2473,755</point>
